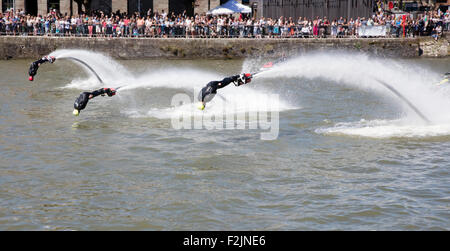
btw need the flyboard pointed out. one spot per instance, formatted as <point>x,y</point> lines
<point>443,81</point>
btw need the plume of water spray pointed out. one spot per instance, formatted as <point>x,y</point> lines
<point>111,72</point>
<point>362,71</point>
<point>411,80</point>
<point>114,74</point>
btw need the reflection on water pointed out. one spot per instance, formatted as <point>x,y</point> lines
<point>348,157</point>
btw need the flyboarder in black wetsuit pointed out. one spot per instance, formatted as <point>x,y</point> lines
<point>35,65</point>
<point>446,79</point>
<point>83,99</point>
<point>210,90</point>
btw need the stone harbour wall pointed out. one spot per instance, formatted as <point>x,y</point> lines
<point>180,48</point>
<point>432,48</point>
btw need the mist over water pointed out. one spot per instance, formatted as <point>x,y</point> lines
<point>350,155</point>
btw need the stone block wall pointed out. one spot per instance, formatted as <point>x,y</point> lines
<point>176,48</point>
<point>121,5</point>
<point>432,48</point>
<point>160,5</point>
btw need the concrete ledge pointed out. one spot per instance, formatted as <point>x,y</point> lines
<point>433,48</point>
<point>180,48</point>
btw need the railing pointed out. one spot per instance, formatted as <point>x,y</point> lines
<point>214,31</point>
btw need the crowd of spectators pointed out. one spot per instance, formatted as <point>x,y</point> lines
<point>163,25</point>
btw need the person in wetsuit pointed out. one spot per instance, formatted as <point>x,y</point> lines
<point>210,90</point>
<point>83,99</point>
<point>35,65</point>
<point>446,79</point>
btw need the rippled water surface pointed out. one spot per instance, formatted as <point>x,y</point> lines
<point>349,155</point>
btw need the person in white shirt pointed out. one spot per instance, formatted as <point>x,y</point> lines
<point>187,25</point>
<point>220,23</point>
<point>305,31</point>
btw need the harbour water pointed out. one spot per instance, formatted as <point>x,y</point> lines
<point>348,155</point>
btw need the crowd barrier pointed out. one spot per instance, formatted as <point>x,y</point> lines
<point>372,31</point>
<point>205,31</point>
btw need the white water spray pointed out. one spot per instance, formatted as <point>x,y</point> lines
<point>415,83</point>
<point>187,79</point>
<point>112,73</point>
<point>356,70</point>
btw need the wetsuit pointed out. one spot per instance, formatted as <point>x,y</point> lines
<point>446,79</point>
<point>83,99</point>
<point>210,90</point>
<point>35,65</point>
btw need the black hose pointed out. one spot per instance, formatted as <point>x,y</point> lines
<point>89,67</point>
<point>393,90</point>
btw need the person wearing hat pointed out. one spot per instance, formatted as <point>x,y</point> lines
<point>83,99</point>
<point>210,90</point>
<point>35,65</point>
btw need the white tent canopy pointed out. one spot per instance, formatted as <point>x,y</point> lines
<point>230,7</point>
